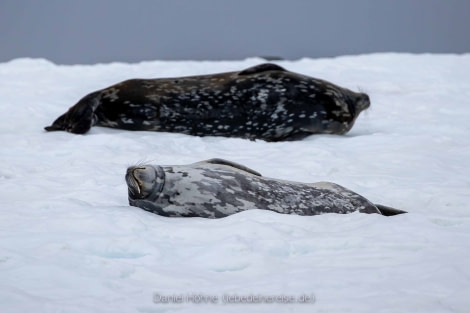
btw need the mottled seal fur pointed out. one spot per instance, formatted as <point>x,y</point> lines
<point>262,102</point>
<point>217,188</point>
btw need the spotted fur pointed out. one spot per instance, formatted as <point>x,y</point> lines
<point>217,188</point>
<point>262,102</point>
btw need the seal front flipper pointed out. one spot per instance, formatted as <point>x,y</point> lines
<point>388,211</point>
<point>262,68</point>
<point>232,164</point>
<point>79,118</point>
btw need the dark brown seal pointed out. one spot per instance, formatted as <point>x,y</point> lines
<point>262,102</point>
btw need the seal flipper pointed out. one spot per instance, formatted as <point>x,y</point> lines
<point>232,164</point>
<point>58,124</point>
<point>388,211</point>
<point>262,68</point>
<point>79,118</point>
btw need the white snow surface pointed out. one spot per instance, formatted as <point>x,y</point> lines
<point>69,241</point>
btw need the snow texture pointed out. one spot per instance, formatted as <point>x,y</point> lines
<point>69,241</point>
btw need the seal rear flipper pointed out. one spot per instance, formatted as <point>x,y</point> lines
<point>79,118</point>
<point>77,121</point>
<point>388,211</point>
<point>232,164</point>
<point>58,124</point>
<point>262,68</point>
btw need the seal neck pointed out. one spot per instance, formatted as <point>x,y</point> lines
<point>158,185</point>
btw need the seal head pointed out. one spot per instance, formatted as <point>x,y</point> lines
<point>145,182</point>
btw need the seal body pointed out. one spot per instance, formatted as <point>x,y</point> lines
<point>262,102</point>
<point>217,188</point>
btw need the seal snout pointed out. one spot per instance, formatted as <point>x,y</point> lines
<point>362,102</point>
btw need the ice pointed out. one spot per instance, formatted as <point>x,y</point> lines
<point>69,241</point>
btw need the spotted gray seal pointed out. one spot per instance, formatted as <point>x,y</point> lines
<point>217,188</point>
<point>262,102</point>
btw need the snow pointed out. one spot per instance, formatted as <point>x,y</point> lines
<point>69,241</point>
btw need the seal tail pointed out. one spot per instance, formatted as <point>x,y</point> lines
<point>388,211</point>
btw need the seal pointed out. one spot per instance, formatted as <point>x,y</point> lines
<point>262,102</point>
<point>218,188</point>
